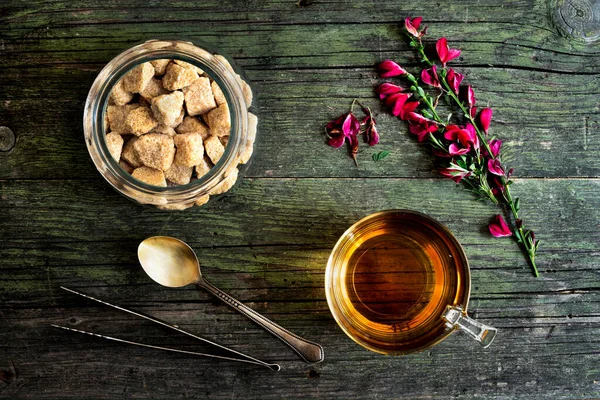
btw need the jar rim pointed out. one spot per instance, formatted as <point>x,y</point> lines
<point>97,103</point>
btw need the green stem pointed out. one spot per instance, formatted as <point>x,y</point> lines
<point>524,241</point>
<point>432,108</point>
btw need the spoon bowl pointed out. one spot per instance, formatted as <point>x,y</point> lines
<point>171,262</point>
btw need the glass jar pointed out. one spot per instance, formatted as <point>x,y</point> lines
<point>94,123</point>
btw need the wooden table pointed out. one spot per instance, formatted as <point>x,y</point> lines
<point>267,241</point>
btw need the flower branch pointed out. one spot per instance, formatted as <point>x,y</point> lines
<point>464,152</point>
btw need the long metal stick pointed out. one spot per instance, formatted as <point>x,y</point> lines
<point>274,367</point>
<point>165,324</point>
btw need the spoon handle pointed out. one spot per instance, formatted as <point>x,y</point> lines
<point>309,351</point>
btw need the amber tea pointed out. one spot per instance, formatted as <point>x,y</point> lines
<point>392,277</point>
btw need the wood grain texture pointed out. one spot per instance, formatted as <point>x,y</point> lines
<point>267,241</point>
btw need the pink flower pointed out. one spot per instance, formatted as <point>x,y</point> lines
<point>412,26</point>
<point>372,137</point>
<point>389,68</point>
<point>421,130</point>
<point>485,117</point>
<point>407,108</point>
<point>454,79</point>
<point>473,138</point>
<point>445,53</point>
<point>396,101</point>
<point>497,186</point>
<point>495,167</point>
<point>345,126</point>
<point>386,89</point>
<point>499,228</point>
<point>470,97</point>
<point>456,150</point>
<point>429,76</point>
<point>351,126</point>
<point>463,138</point>
<point>495,145</point>
<point>455,173</point>
<point>419,119</point>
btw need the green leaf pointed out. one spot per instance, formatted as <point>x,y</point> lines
<point>381,155</point>
<point>420,91</point>
<point>517,204</point>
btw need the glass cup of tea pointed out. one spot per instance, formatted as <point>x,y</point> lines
<point>398,282</point>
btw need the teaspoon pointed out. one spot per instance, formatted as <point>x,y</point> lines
<point>172,263</point>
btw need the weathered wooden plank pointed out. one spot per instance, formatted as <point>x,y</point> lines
<point>535,119</point>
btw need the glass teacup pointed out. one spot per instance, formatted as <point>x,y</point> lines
<point>398,282</point>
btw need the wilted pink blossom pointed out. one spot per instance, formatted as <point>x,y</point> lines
<point>372,136</point>
<point>345,126</point>
<point>445,53</point>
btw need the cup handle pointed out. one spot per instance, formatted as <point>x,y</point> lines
<point>455,317</point>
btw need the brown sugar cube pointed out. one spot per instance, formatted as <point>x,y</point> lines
<point>198,96</point>
<point>214,149</point>
<point>114,142</point>
<point>155,150</point>
<point>178,77</point>
<point>164,130</point>
<point>179,174</point>
<point>248,148</point>
<point>126,166</point>
<point>179,119</point>
<point>203,167</point>
<point>184,64</point>
<point>136,80</point>
<point>140,121</point>
<point>168,107</point>
<point>150,176</point>
<point>119,95</point>
<point>190,150</point>
<point>218,93</point>
<point>202,200</point>
<point>226,184</point>
<point>193,125</point>
<point>160,66</point>
<point>153,88</point>
<point>116,116</point>
<point>129,154</point>
<point>219,121</point>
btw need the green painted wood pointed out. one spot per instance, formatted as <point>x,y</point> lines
<point>267,241</point>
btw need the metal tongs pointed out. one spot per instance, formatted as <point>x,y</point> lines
<point>246,358</point>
